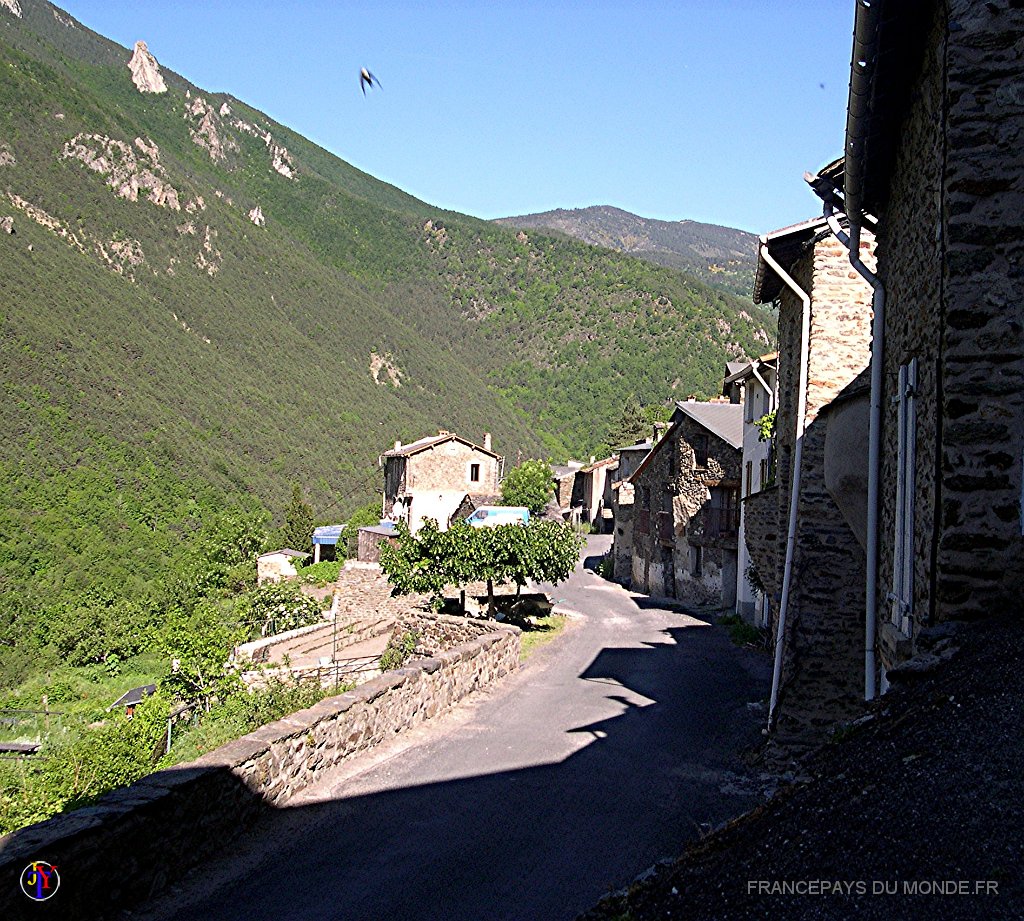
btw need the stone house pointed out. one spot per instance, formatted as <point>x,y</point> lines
<point>933,162</point>
<point>278,565</point>
<point>563,481</point>
<point>621,504</point>
<point>590,491</point>
<point>431,477</point>
<point>823,348</point>
<point>685,517</point>
<point>755,387</point>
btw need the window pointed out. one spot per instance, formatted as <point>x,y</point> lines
<point>750,478</point>
<point>700,450</point>
<point>696,561</point>
<point>764,473</point>
<point>474,473</point>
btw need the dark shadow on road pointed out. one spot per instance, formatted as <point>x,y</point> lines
<point>542,842</point>
<point>592,562</point>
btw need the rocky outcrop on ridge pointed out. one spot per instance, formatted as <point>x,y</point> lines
<point>125,172</point>
<point>145,71</point>
<point>207,130</point>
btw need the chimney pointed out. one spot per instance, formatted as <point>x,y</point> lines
<point>398,446</point>
<point>487,441</point>
<point>592,458</point>
<point>443,432</point>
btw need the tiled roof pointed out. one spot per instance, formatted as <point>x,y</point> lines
<point>431,441</point>
<point>722,419</point>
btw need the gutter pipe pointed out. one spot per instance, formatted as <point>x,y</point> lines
<point>764,383</point>
<point>867,20</point>
<point>794,500</point>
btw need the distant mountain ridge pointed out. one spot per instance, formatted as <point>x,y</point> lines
<point>720,256</point>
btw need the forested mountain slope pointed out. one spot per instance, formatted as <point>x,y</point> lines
<point>199,307</point>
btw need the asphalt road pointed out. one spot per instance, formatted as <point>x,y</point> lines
<point>611,748</point>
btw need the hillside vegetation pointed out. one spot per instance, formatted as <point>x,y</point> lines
<point>723,257</point>
<point>200,307</point>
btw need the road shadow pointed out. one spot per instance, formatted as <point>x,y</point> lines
<point>543,841</point>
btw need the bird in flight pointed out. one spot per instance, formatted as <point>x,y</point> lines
<point>366,79</point>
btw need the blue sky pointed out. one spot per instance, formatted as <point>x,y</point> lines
<point>703,110</point>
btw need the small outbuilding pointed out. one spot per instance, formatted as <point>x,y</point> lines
<point>277,565</point>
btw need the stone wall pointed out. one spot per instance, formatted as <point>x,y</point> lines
<point>672,498</point>
<point>954,201</point>
<point>824,640</point>
<point>909,266</point>
<point>762,525</point>
<point>137,839</point>
<point>445,468</point>
<point>439,632</point>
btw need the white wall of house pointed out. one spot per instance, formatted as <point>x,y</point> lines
<point>756,402</point>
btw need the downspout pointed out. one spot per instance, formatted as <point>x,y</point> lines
<point>852,243</point>
<point>764,383</point>
<point>794,501</point>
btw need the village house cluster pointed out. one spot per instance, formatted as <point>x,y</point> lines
<point>886,506</point>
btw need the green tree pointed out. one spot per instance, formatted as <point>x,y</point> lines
<point>363,517</point>
<point>530,485</point>
<point>198,645</point>
<point>431,559</point>
<point>297,532</point>
<point>631,425</point>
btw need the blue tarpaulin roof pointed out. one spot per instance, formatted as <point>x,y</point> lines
<point>328,534</point>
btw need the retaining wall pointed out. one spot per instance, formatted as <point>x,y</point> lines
<point>137,839</point>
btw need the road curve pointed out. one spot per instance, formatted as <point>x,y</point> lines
<point>611,748</point>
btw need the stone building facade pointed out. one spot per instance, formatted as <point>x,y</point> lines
<point>755,387</point>
<point>685,515</point>
<point>622,497</point>
<point>431,477</point>
<point>944,174</point>
<point>824,640</point>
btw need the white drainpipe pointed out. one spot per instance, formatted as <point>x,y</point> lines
<point>852,242</point>
<point>794,501</point>
<point>764,383</point>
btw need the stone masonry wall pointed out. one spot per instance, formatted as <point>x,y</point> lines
<point>910,255</point>
<point>137,839</point>
<point>439,632</point>
<point>762,522</point>
<point>825,634</point>
<point>671,484</point>
<point>950,257</point>
<point>445,468</point>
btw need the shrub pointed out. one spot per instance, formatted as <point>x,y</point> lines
<point>278,606</point>
<point>740,632</point>
<point>320,573</point>
<point>398,650</point>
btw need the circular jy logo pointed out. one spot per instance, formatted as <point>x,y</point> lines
<point>39,880</point>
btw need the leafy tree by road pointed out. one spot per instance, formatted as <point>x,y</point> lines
<point>530,485</point>
<point>431,559</point>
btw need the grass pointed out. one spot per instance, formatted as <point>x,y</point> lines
<point>84,692</point>
<point>740,632</point>
<point>539,631</point>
